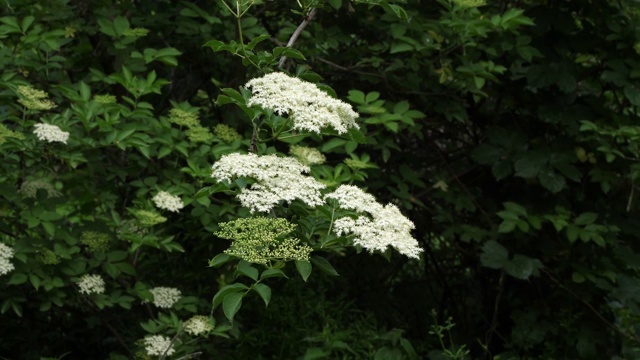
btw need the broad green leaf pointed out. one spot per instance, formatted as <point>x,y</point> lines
<point>222,293</point>
<point>324,266</point>
<point>522,267</point>
<point>244,268</point>
<point>494,255</point>
<point>304,269</point>
<point>264,291</point>
<point>219,260</point>
<point>552,181</point>
<point>586,218</point>
<point>269,273</point>
<point>231,304</point>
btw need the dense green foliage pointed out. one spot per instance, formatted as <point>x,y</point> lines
<point>505,130</point>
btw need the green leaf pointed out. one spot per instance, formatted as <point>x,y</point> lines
<point>494,255</point>
<point>264,291</point>
<point>515,208</point>
<point>304,269</point>
<point>486,154</point>
<point>552,181</point>
<point>586,218</point>
<point>219,260</point>
<point>231,304</point>
<point>120,25</point>
<point>507,226</point>
<point>244,268</point>
<point>522,267</point>
<point>530,166</point>
<point>324,266</point>
<point>229,289</point>
<point>269,273</point>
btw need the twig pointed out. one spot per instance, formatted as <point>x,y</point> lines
<point>297,33</point>
<point>494,319</point>
<point>595,312</point>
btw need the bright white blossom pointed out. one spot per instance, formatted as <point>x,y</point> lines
<point>197,325</point>
<point>307,155</point>
<point>165,297</point>
<point>158,345</point>
<point>50,133</point>
<point>6,253</point>
<point>277,178</point>
<point>91,284</point>
<point>384,226</point>
<point>164,200</point>
<point>308,107</point>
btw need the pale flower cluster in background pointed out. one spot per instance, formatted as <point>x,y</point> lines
<point>165,297</point>
<point>383,227</point>
<point>307,155</point>
<point>158,345</point>
<point>6,253</point>
<point>197,325</point>
<point>30,188</point>
<point>306,105</point>
<point>164,200</point>
<point>50,133</point>
<point>34,99</point>
<point>277,178</point>
<point>91,284</point>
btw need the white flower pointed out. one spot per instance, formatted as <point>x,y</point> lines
<point>165,297</point>
<point>50,133</point>
<point>307,106</point>
<point>6,253</point>
<point>91,284</point>
<point>157,345</point>
<point>197,325</point>
<point>277,178</point>
<point>307,155</point>
<point>164,200</point>
<point>384,226</point>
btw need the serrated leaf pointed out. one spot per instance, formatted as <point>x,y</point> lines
<point>304,269</point>
<point>552,181</point>
<point>494,255</point>
<point>222,293</point>
<point>324,265</point>
<point>264,291</point>
<point>530,166</point>
<point>231,304</point>
<point>522,267</point>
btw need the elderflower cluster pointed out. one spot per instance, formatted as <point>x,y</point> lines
<point>158,345</point>
<point>307,155</point>
<point>470,3</point>
<point>91,284</point>
<point>226,133</point>
<point>30,189</point>
<point>195,132</point>
<point>277,178</point>
<point>95,241</point>
<point>105,99</point>
<point>197,325</point>
<point>34,99</point>
<point>165,297</point>
<point>6,253</point>
<point>307,106</point>
<point>6,133</point>
<point>148,218</point>
<point>384,226</point>
<point>258,240</point>
<point>50,133</point>
<point>164,200</point>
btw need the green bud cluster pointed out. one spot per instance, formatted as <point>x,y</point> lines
<point>95,241</point>
<point>226,133</point>
<point>148,218</point>
<point>259,240</point>
<point>5,133</point>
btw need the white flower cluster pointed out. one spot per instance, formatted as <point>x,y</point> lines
<point>385,226</point>
<point>6,253</point>
<point>165,297</point>
<point>197,325</point>
<point>164,200</point>
<point>277,178</point>
<point>307,106</point>
<point>158,345</point>
<point>91,284</point>
<point>50,133</point>
<point>307,155</point>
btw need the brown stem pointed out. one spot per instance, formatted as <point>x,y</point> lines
<point>297,33</point>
